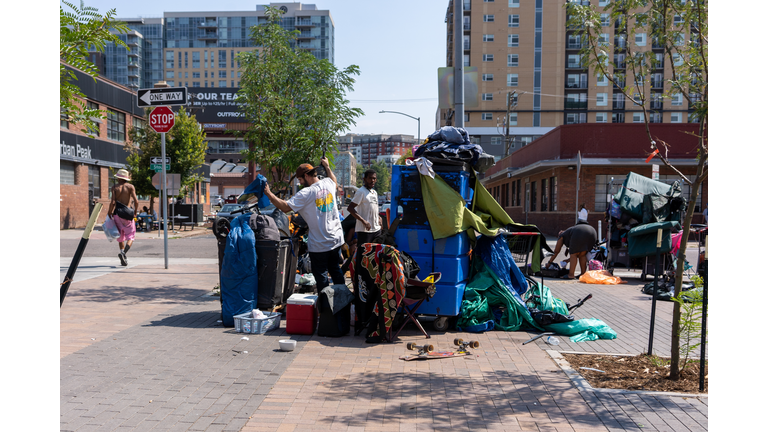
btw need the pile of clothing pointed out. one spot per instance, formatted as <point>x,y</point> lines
<point>451,143</point>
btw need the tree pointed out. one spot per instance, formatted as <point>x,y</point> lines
<point>406,155</point>
<point>294,102</point>
<point>185,144</point>
<point>83,30</point>
<point>678,30</point>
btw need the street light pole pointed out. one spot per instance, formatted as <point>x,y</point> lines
<point>415,118</point>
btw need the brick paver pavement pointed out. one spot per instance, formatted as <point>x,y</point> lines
<point>142,350</point>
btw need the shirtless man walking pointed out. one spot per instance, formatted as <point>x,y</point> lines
<point>122,194</point>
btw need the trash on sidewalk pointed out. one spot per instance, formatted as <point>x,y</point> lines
<point>602,277</point>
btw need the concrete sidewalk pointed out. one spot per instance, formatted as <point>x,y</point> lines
<point>143,349</point>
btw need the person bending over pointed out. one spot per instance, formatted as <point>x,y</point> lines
<point>579,240</point>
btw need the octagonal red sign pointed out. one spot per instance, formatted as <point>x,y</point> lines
<point>161,119</point>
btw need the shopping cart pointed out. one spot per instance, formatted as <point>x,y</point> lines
<point>520,245</point>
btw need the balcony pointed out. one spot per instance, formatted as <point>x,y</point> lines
<point>657,83</point>
<point>304,23</point>
<point>208,36</point>
<point>581,85</point>
<point>573,45</point>
<point>305,35</point>
<point>206,24</point>
<point>618,105</point>
<point>575,105</point>
<point>574,65</point>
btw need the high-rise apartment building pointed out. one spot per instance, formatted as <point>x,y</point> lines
<point>198,49</point>
<point>526,54</point>
<point>374,145</point>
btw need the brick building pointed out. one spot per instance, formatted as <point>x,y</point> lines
<point>88,164</point>
<point>537,183</point>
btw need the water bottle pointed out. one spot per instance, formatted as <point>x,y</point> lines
<point>246,326</point>
<point>551,340</point>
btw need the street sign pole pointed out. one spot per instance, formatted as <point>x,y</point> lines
<point>164,195</point>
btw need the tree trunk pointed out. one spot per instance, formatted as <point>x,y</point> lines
<point>674,368</point>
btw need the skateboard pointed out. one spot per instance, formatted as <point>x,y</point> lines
<point>427,352</point>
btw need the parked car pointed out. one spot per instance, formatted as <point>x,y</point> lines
<point>231,199</point>
<point>227,209</point>
<point>217,200</point>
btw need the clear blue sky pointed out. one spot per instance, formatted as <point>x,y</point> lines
<point>398,45</point>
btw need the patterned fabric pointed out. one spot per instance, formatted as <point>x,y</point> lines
<point>382,282</point>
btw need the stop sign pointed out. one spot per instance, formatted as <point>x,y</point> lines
<point>161,119</point>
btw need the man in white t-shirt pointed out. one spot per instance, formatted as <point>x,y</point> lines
<point>316,203</point>
<point>365,208</point>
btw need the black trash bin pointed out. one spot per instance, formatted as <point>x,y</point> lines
<point>291,265</point>
<point>271,263</point>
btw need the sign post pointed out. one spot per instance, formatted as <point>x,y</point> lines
<point>162,120</point>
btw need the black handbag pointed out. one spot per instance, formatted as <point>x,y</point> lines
<point>123,211</point>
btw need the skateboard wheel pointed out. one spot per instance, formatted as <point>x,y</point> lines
<point>410,346</point>
<point>429,347</point>
<point>474,344</point>
<point>457,341</point>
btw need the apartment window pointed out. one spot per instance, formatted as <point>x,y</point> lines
<point>602,81</point>
<point>677,20</point>
<point>223,59</point>
<point>601,117</point>
<point>168,74</point>
<point>602,99</point>
<point>603,2</point>
<point>605,20</point>
<point>487,96</point>
<point>222,74</point>
<point>514,21</point>
<point>604,39</point>
<point>487,1</point>
<point>222,83</point>
<point>196,75</point>
<point>466,42</point>
<point>186,60</point>
<point>466,59</point>
<point>677,99</point>
<point>512,60</point>
<point>640,39</point>
<point>488,18</point>
<point>94,180</point>
<point>574,61</point>
<point>637,118</point>
<point>196,60</point>
<point>169,59</point>
<point>511,80</point>
<point>487,77</point>
<point>205,55</point>
<point>617,118</point>
<point>487,116</point>
<point>487,57</point>
<point>575,118</point>
<point>66,172</point>
<point>232,59</point>
<point>513,119</point>
<point>677,59</point>
<point>206,74</point>
<point>514,3</point>
<point>139,123</point>
<point>466,117</point>
<point>676,117</point>
<point>115,125</point>
<point>513,40</point>
<point>496,140</point>
<point>487,38</point>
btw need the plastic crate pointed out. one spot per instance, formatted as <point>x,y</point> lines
<point>446,301</point>
<point>246,323</point>
<point>420,241</point>
<point>453,269</point>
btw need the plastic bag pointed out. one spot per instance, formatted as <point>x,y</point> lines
<point>603,277</point>
<point>595,265</point>
<point>587,329</point>
<point>110,229</point>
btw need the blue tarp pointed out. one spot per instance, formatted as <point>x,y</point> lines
<point>256,189</point>
<point>239,277</point>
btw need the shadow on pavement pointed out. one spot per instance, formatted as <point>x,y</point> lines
<point>168,294</point>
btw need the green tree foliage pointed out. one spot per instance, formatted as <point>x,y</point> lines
<point>676,31</point>
<point>83,29</point>
<point>185,144</point>
<point>406,155</point>
<point>360,171</point>
<point>294,102</point>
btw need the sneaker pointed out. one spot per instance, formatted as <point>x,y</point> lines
<point>123,259</point>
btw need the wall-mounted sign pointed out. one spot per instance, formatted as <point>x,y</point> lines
<point>214,125</point>
<point>215,105</point>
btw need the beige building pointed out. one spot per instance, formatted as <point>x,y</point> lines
<point>525,53</point>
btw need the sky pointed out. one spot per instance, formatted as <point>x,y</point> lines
<point>398,45</point>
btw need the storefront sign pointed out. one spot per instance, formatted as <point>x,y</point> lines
<point>214,125</point>
<point>91,150</point>
<point>75,150</point>
<point>215,105</point>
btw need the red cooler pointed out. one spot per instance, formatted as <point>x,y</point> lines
<point>301,314</point>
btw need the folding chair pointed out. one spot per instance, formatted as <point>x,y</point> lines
<point>416,292</point>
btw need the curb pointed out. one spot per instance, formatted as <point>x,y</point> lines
<point>583,385</point>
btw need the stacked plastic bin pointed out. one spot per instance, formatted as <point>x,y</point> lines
<point>449,256</point>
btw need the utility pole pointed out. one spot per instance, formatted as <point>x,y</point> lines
<point>511,103</point>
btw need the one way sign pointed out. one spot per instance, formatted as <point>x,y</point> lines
<point>170,96</point>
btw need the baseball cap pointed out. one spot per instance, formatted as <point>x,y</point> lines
<point>303,169</point>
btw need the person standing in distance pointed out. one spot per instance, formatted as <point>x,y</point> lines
<point>120,210</point>
<point>583,213</point>
<point>316,203</point>
<point>366,200</point>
